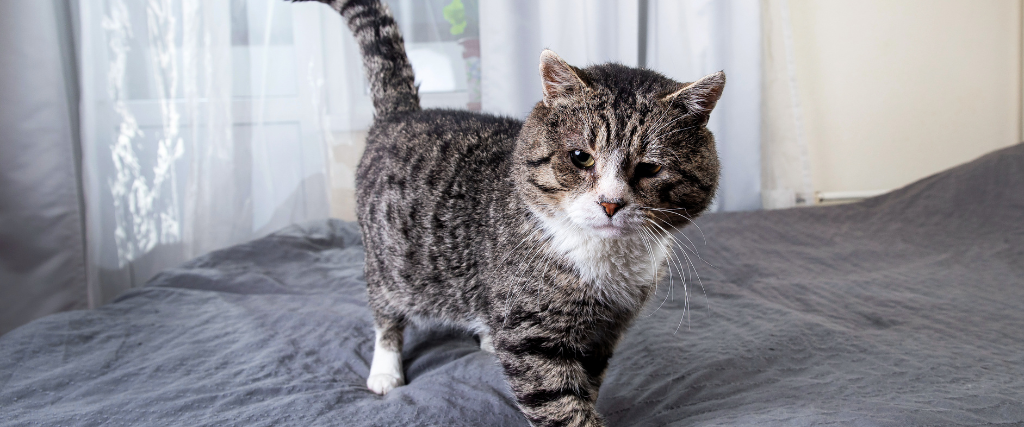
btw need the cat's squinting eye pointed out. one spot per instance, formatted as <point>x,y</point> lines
<point>647,169</point>
<point>581,159</point>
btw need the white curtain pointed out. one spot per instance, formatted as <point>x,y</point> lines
<point>204,124</point>
<point>685,40</point>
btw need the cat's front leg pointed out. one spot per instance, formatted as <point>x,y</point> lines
<point>386,366</point>
<point>553,384</point>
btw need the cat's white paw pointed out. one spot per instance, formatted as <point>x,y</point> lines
<point>385,369</point>
<point>383,383</point>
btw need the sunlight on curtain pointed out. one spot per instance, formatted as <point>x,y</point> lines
<point>204,124</point>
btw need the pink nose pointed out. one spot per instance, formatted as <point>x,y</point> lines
<point>610,208</point>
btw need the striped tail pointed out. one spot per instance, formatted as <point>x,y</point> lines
<point>380,42</point>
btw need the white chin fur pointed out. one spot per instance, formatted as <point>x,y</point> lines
<point>612,256</point>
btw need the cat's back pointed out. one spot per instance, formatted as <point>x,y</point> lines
<point>426,151</point>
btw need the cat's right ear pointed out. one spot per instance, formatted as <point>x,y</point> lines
<point>700,96</point>
<point>561,80</point>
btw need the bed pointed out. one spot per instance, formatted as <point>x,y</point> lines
<point>904,309</point>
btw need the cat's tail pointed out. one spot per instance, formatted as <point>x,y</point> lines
<point>380,42</point>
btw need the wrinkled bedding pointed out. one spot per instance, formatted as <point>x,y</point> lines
<point>904,309</point>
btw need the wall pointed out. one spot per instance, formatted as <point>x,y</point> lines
<point>892,91</point>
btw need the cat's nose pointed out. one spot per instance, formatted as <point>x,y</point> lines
<point>610,208</point>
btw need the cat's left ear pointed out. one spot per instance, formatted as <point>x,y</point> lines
<point>700,96</point>
<point>561,80</point>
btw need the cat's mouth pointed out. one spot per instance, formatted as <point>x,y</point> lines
<point>608,228</point>
<point>611,229</point>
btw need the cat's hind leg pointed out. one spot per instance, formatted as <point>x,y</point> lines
<point>386,367</point>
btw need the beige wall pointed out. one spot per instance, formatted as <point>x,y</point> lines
<point>895,90</point>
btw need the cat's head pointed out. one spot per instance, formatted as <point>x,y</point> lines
<point>614,149</point>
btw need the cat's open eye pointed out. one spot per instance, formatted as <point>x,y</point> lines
<point>581,159</point>
<point>644,170</point>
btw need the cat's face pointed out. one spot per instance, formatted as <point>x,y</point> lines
<point>614,150</point>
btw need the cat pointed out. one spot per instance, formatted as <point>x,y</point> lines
<point>544,237</point>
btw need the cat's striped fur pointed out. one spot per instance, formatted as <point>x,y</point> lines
<point>544,236</point>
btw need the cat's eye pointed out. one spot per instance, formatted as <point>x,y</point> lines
<point>644,170</point>
<point>581,159</point>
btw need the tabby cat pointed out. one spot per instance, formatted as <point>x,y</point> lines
<point>545,237</point>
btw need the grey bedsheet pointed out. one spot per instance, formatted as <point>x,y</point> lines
<point>905,309</point>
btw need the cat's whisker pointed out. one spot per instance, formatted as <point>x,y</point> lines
<point>703,290</point>
<point>669,235</point>
<point>669,292</point>
<point>671,211</point>
<point>686,298</point>
<point>531,253</point>
<point>676,228</point>
<point>644,239</point>
<point>673,260</point>
<point>693,246</point>
<point>686,215</point>
<point>654,267</point>
<point>661,118</point>
<point>693,249</point>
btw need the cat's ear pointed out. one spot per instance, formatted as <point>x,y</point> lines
<point>700,96</point>
<point>560,79</point>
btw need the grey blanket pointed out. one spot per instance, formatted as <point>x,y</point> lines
<point>905,309</point>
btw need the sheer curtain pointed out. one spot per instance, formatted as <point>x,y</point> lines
<point>204,124</point>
